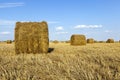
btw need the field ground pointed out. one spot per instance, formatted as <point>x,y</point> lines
<point>99,61</point>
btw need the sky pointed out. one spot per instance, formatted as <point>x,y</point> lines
<point>98,19</point>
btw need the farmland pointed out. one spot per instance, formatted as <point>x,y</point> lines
<point>98,61</point>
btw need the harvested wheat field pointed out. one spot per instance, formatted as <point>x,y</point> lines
<point>99,61</point>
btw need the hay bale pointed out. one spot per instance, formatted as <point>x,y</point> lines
<point>78,40</point>
<point>110,41</point>
<point>91,40</point>
<point>9,41</point>
<point>31,37</point>
<point>55,41</point>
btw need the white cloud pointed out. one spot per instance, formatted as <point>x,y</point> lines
<point>8,5</point>
<point>59,28</point>
<point>61,32</point>
<point>5,33</point>
<point>7,22</point>
<point>87,26</point>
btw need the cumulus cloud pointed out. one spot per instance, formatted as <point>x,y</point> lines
<point>8,5</point>
<point>87,26</point>
<point>61,32</point>
<point>59,28</point>
<point>5,33</point>
<point>7,22</point>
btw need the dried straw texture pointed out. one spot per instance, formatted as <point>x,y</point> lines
<point>110,41</point>
<point>91,40</point>
<point>90,62</point>
<point>9,41</point>
<point>31,37</point>
<point>78,40</point>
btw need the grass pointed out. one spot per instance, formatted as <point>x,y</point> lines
<point>99,61</point>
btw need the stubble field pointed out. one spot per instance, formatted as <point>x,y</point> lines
<point>98,61</point>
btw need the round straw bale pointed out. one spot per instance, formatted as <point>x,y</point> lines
<point>9,41</point>
<point>91,40</point>
<point>31,37</point>
<point>78,39</point>
<point>55,41</point>
<point>110,41</point>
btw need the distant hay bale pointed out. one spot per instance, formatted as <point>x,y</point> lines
<point>55,41</point>
<point>110,41</point>
<point>78,40</point>
<point>91,40</point>
<point>31,37</point>
<point>9,41</point>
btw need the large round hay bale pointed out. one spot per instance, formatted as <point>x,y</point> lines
<point>9,41</point>
<point>110,41</point>
<point>91,40</point>
<point>78,40</point>
<point>31,37</point>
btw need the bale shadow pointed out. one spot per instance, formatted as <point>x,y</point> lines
<point>50,50</point>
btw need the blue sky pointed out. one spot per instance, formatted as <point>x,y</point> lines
<point>98,19</point>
